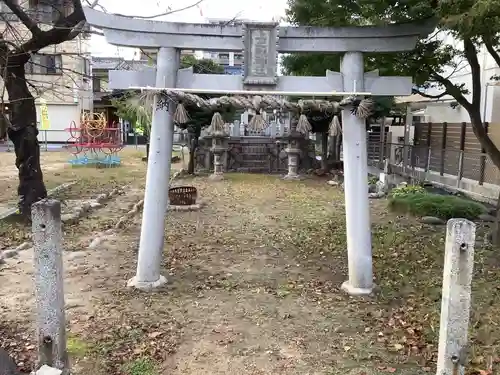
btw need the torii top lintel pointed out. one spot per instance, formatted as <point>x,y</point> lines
<point>130,32</point>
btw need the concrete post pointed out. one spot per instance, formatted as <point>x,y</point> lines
<point>49,291</point>
<point>357,205</point>
<point>157,179</point>
<point>456,297</point>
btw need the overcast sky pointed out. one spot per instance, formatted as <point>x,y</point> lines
<point>258,10</point>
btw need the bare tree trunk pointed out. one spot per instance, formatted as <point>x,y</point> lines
<point>338,146</point>
<point>495,234</point>
<point>324,151</point>
<point>332,148</point>
<point>23,133</point>
<point>494,154</point>
<point>193,145</point>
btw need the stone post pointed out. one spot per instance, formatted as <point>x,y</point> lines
<point>236,128</point>
<point>157,179</point>
<point>357,206</point>
<point>218,149</point>
<point>49,291</point>
<point>456,296</point>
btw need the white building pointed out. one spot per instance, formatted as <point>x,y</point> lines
<point>61,73</point>
<point>446,109</point>
<point>232,62</point>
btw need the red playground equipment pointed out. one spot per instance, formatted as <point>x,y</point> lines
<point>94,142</point>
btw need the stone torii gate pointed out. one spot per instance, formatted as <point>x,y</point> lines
<point>260,42</point>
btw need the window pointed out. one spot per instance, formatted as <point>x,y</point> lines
<point>224,56</point>
<point>7,13</point>
<point>85,67</point>
<point>48,11</point>
<point>96,84</point>
<point>44,64</point>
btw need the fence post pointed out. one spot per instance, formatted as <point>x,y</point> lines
<point>388,146</point>
<point>428,159</point>
<point>382,145</point>
<point>460,171</point>
<point>49,292</point>
<point>456,296</point>
<point>443,148</point>
<point>482,159</point>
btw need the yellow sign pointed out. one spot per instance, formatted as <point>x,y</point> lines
<point>44,121</point>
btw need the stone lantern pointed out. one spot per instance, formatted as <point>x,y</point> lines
<point>218,149</point>
<point>293,152</point>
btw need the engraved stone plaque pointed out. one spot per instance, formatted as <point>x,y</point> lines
<point>261,65</point>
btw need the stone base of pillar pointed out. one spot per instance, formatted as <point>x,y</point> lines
<point>293,177</point>
<point>216,177</point>
<point>146,286</point>
<point>353,291</point>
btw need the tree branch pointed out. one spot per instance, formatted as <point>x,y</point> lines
<point>166,13</point>
<point>452,90</point>
<point>439,96</point>
<point>489,47</point>
<point>66,28</point>
<point>25,19</point>
<point>470,51</point>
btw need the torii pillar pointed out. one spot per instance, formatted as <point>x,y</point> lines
<point>357,205</point>
<point>148,275</point>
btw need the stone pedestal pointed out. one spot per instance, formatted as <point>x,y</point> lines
<point>293,152</point>
<point>218,149</point>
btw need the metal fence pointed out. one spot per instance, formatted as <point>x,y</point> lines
<point>419,161</point>
<point>45,140</point>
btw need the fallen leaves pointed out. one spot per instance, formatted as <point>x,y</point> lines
<point>299,235</point>
<point>390,370</point>
<point>19,344</point>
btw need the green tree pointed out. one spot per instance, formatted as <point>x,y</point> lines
<point>431,63</point>
<point>199,118</point>
<point>201,66</point>
<point>474,24</point>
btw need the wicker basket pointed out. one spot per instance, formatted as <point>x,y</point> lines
<point>182,195</point>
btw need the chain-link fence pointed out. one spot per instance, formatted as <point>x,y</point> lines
<point>419,161</point>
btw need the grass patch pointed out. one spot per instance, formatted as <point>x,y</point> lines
<point>441,206</point>
<point>141,366</point>
<point>77,348</point>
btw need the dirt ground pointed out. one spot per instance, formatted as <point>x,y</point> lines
<point>57,171</point>
<point>253,288</point>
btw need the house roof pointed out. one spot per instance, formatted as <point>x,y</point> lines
<point>417,98</point>
<point>117,63</point>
